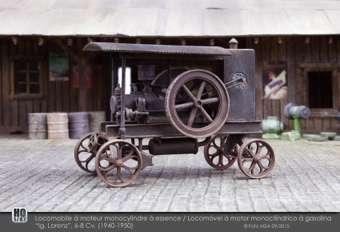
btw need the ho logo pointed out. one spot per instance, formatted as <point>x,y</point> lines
<point>19,215</point>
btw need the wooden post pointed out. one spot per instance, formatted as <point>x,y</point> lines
<point>81,74</point>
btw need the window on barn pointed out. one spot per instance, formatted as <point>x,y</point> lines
<point>320,94</point>
<point>318,88</point>
<point>26,78</point>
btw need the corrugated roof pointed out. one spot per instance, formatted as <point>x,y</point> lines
<point>174,18</point>
<point>156,49</point>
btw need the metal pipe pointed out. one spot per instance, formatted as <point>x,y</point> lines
<point>169,72</point>
<point>112,80</point>
<point>122,103</point>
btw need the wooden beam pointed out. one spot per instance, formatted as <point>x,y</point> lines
<point>81,74</point>
<point>69,42</point>
<point>68,50</point>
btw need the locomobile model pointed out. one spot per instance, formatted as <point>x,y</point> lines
<point>178,111</point>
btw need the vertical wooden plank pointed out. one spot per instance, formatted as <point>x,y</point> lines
<point>59,96</point>
<point>258,78</point>
<point>324,58</point>
<point>332,50</point>
<point>315,49</point>
<point>267,104</point>
<point>81,71</point>
<point>66,89</point>
<point>318,125</point>
<point>22,102</point>
<point>282,57</point>
<point>326,124</point>
<point>73,92</point>
<point>300,78</point>
<point>6,104</point>
<point>291,74</point>
<point>14,102</point>
<point>274,57</point>
<point>308,59</point>
<point>51,84</point>
<point>35,52</point>
<point>29,102</point>
<point>66,95</point>
<point>98,86</point>
<point>44,76</point>
<point>59,91</point>
<point>323,49</point>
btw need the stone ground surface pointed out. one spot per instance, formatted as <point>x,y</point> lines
<point>42,176</point>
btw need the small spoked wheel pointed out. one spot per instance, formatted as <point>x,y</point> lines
<point>85,151</point>
<point>197,103</point>
<point>219,153</point>
<point>256,158</point>
<point>118,163</point>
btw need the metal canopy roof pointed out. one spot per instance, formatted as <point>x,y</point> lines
<point>157,49</point>
<point>169,18</point>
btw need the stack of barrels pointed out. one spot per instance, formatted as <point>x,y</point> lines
<point>63,125</point>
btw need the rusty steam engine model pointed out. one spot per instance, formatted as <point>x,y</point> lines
<point>178,111</point>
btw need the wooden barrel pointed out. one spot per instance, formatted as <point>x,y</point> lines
<point>95,117</point>
<point>57,126</point>
<point>37,123</point>
<point>78,123</point>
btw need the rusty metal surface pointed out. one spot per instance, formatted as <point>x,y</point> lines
<point>111,130</point>
<point>256,158</point>
<point>221,151</point>
<point>158,146</point>
<point>242,99</point>
<point>156,49</point>
<point>118,163</point>
<point>210,103</point>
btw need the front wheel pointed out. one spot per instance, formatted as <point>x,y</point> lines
<point>256,158</point>
<point>118,163</point>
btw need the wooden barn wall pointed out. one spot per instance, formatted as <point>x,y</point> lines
<point>293,50</point>
<point>61,96</point>
<point>58,96</point>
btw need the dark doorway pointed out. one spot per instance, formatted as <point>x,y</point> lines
<point>320,90</point>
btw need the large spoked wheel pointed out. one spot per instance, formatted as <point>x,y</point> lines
<point>85,151</point>
<point>256,158</point>
<point>118,163</point>
<point>197,103</point>
<point>219,153</point>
